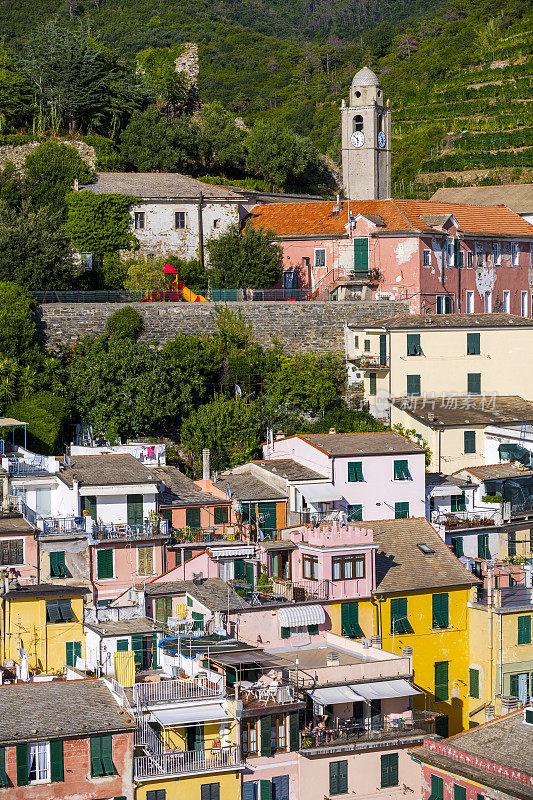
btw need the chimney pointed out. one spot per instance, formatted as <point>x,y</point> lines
<point>279,435</point>
<point>206,472</point>
<point>332,431</point>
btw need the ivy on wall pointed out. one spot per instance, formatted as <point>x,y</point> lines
<point>100,223</point>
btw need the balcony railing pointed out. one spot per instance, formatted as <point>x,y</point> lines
<point>114,531</point>
<point>302,590</point>
<point>370,362</point>
<point>411,724</point>
<point>20,467</point>
<point>60,526</point>
<point>170,691</point>
<point>467,519</point>
<point>506,597</point>
<point>212,534</point>
<point>179,762</point>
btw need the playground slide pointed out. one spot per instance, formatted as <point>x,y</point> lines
<point>189,296</point>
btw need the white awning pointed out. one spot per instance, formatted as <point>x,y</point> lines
<point>232,552</point>
<point>192,715</point>
<point>320,492</point>
<point>445,491</point>
<point>380,690</point>
<point>334,694</point>
<point>297,616</point>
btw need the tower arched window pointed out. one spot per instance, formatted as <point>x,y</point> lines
<point>358,123</point>
<point>380,122</point>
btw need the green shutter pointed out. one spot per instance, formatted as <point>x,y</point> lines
<point>459,792</point>
<point>239,572</point>
<point>355,513</point>
<point>193,518</point>
<point>401,510</point>
<point>56,760</point>
<point>511,544</point>
<point>312,629</point>
<point>198,620</point>
<point>265,790</point>
<point>524,630</point>
<point>401,470</point>
<point>360,254</point>
<point>134,509</point>
<point>343,777</point>
<point>220,515</point>
<point>440,607</point>
<point>137,647</point>
<point>413,385</point>
<point>469,441</point>
<point>333,777</point>
<point>373,384</point>
<point>72,651</point>
<point>389,770</point>
<point>458,502</point>
<point>399,619</point>
<point>104,564</point>
<point>457,546</point>
<point>3,774</point>
<point>294,732</point>
<point>483,550</point>
<point>413,344</point>
<point>22,765</point>
<point>97,768</point>
<point>383,349</point>
<point>89,504</point>
<point>474,383</point>
<point>250,573</point>
<point>122,645</point>
<point>355,471</point>
<point>513,685</point>
<point>266,729</point>
<point>350,620</point>
<point>58,568</point>
<point>285,633</point>
<point>154,651</point>
<point>473,683</point>
<point>473,347</point>
<point>441,681</point>
<point>437,788</point>
<point>107,755</point>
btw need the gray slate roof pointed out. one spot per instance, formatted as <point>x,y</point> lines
<point>14,523</point>
<point>158,186</point>
<point>498,471</point>
<point>212,593</point>
<point>518,197</point>
<point>362,444</point>
<point>59,709</point>
<point>125,627</point>
<point>247,488</point>
<point>439,479</point>
<point>402,567</point>
<point>182,491</point>
<point>449,412</point>
<point>507,741</point>
<point>290,469</point>
<point>467,321</point>
<point>108,470</point>
<point>44,590</point>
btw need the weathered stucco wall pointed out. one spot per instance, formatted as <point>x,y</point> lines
<point>301,327</point>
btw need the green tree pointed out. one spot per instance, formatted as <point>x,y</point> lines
<point>347,420</point>
<point>17,326</point>
<point>126,323</point>
<point>145,274</point>
<point>222,142</point>
<point>15,92</point>
<point>307,382</point>
<point>168,86</point>
<point>51,170</point>
<point>11,186</point>
<point>228,426</point>
<point>281,156</point>
<point>249,259</point>
<point>191,273</point>
<point>150,143</point>
<point>35,250</point>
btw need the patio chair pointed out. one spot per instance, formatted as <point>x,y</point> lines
<point>269,693</point>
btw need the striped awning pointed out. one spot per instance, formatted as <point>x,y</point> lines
<point>380,690</point>
<point>330,695</point>
<point>232,552</point>
<point>298,616</point>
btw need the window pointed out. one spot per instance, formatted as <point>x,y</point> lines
<point>250,790</point>
<point>221,515</point>
<point>180,220</point>
<point>401,510</point>
<point>310,567</point>
<point>458,255</point>
<point>216,223</point>
<point>441,681</point>
<point>193,518</point>
<point>457,546</point>
<point>58,568</point>
<point>440,609</point>
<point>401,471</point>
<point>473,345</point>
<point>11,552</point>
<point>515,254</point>
<point>511,543</point>
<point>210,791</point>
<point>470,302</point>
<point>469,259</point>
<point>473,683</point>
<point>398,615</point>
<point>139,220</point>
<point>413,385</point>
<point>506,301</point>
<point>102,756</point>
<point>524,630</point>
<point>280,787</point>
<point>156,794</point>
<point>459,792</point>
<point>320,258</point>
<point>355,471</point>
<point>145,561</point>
<point>277,733</point>
<point>523,303</point>
<point>426,549</point>
<point>4,782</point>
<point>437,788</point>
<point>450,251</point>
<point>360,255</point>
<point>497,254</point>
<point>469,438</point>
<point>483,550</point>
<point>367,345</point>
<point>458,502</point>
<point>444,304</point>
<point>413,344</point>
<point>372,384</point>
<point>338,777</point>
<point>354,513</point>
<point>350,620</point>
<point>285,633</point>
<point>487,302</point>
<point>357,123</point>
<point>345,568</point>
<point>43,498</point>
<point>249,737</point>
<point>356,342</point>
<point>59,610</point>
<point>389,770</point>
<point>72,652</point>
<point>104,564</point>
<point>38,762</point>
<point>426,258</point>
<point>474,383</point>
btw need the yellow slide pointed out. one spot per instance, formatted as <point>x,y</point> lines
<point>189,296</point>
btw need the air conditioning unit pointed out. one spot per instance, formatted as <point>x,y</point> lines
<point>366,643</point>
<point>384,296</point>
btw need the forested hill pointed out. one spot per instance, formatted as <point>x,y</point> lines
<point>448,67</point>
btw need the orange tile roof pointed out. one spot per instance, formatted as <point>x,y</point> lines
<point>320,219</point>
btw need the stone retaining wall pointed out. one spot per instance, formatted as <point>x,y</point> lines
<point>301,327</point>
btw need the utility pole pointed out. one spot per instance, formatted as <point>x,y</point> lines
<point>201,231</point>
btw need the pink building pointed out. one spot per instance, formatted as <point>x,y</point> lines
<point>18,547</point>
<point>442,257</point>
<point>119,561</point>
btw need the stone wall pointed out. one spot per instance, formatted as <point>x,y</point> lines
<point>301,327</point>
<point>17,153</point>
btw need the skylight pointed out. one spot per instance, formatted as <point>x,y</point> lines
<point>426,549</point>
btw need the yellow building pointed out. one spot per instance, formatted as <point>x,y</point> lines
<point>419,608</point>
<point>501,650</point>
<point>47,622</point>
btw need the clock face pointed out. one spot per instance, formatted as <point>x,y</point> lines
<point>357,138</point>
<point>382,139</point>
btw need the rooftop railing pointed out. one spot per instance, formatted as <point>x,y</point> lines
<point>61,526</point>
<point>175,690</point>
<point>179,762</point>
<point>409,724</point>
<point>301,590</point>
<point>220,533</point>
<point>467,519</point>
<point>105,532</point>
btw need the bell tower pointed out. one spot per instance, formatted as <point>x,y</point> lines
<point>366,140</point>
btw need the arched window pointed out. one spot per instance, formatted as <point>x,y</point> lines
<point>358,123</point>
<point>380,122</point>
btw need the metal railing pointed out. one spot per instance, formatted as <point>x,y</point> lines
<point>111,531</point>
<point>147,737</point>
<point>59,526</point>
<point>301,590</point>
<point>413,723</point>
<point>467,519</point>
<point>211,534</point>
<point>15,502</point>
<point>173,690</point>
<point>178,762</point>
<point>20,467</point>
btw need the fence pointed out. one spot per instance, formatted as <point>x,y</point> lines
<point>178,762</point>
<point>215,295</point>
<point>170,691</point>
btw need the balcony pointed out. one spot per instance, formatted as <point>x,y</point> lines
<point>212,535</point>
<point>300,591</point>
<point>370,362</point>
<point>186,762</point>
<point>108,532</point>
<point>64,526</point>
<point>145,694</point>
<point>457,520</point>
<point>506,597</point>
